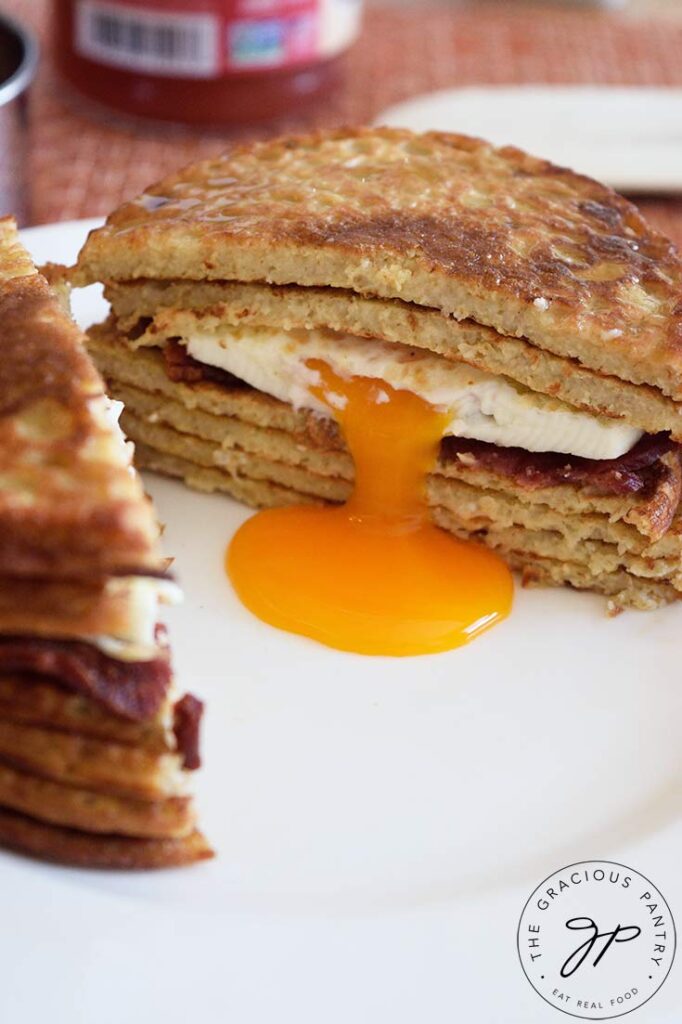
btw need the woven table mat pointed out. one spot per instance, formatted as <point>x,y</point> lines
<point>81,168</point>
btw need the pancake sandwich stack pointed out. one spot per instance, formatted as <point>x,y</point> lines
<point>95,745</point>
<point>534,305</point>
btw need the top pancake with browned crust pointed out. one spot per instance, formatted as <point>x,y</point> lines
<point>70,505</point>
<point>445,221</point>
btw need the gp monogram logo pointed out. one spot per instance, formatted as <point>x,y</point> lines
<point>596,940</point>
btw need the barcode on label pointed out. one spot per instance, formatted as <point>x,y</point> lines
<point>148,40</point>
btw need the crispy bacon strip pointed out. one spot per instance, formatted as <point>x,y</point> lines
<point>182,367</point>
<point>633,472</point>
<point>135,690</point>
<point>186,722</point>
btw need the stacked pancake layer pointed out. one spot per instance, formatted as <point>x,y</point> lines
<point>95,746</point>
<point>537,278</point>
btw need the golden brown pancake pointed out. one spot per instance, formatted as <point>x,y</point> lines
<point>69,506</point>
<point>91,811</point>
<point>88,850</point>
<point>69,609</point>
<point>95,764</point>
<point>443,221</point>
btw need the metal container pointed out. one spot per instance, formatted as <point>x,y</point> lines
<point>18,63</point>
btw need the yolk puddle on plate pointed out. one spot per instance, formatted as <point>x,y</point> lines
<point>374,575</point>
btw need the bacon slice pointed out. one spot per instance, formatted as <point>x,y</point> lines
<point>88,850</point>
<point>182,367</point>
<point>187,715</point>
<point>133,689</point>
<point>632,473</point>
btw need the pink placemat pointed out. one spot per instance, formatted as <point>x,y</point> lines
<point>80,167</point>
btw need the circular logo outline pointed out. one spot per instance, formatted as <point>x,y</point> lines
<point>583,863</point>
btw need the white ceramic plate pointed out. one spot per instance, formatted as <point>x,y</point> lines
<point>379,823</point>
<point>630,138</point>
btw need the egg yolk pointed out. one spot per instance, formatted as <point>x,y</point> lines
<point>373,576</point>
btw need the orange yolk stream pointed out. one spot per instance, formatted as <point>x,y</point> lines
<point>373,576</point>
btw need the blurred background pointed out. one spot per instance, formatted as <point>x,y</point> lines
<point>126,90</point>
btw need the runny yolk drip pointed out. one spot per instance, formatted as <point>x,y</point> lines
<point>373,576</point>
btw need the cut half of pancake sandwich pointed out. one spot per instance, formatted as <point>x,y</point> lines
<point>533,305</point>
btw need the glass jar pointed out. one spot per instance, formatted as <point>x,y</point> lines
<point>204,62</point>
<point>18,64</point>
